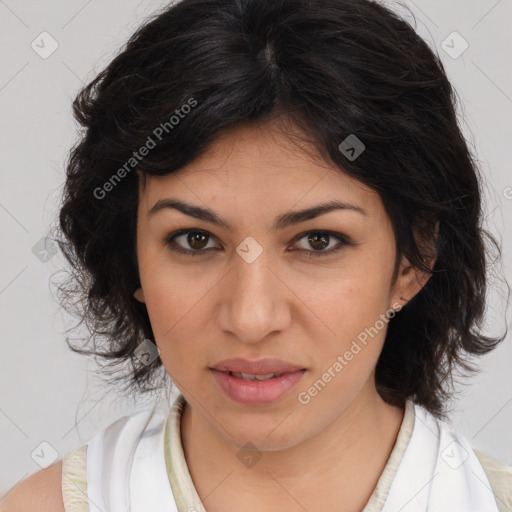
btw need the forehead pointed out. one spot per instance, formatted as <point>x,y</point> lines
<point>257,165</point>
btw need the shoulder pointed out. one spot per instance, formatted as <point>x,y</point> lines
<point>60,487</point>
<point>64,483</point>
<point>40,492</point>
<point>500,478</point>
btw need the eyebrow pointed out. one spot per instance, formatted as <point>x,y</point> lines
<point>281,222</point>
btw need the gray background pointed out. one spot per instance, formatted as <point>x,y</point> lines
<point>49,394</point>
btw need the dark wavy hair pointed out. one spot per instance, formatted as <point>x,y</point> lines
<point>334,68</point>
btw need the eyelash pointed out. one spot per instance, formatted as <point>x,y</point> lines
<point>191,252</point>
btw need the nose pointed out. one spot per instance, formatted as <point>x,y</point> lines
<point>254,300</point>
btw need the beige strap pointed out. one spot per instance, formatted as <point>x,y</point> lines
<point>500,478</point>
<point>74,480</point>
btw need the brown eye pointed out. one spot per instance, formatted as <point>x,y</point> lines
<point>192,242</point>
<point>320,240</point>
<point>197,240</point>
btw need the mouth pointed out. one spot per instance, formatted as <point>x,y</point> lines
<point>256,389</point>
<point>261,368</point>
<point>253,376</point>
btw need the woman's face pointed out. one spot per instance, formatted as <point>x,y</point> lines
<point>268,289</point>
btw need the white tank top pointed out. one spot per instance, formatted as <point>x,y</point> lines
<point>126,467</point>
<point>137,464</point>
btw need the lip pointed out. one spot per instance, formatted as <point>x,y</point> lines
<point>255,392</point>
<point>257,367</point>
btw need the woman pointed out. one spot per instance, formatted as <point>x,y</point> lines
<point>278,196</point>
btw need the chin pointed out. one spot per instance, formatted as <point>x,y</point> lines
<point>271,434</point>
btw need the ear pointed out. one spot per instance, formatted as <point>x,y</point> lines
<point>139,294</point>
<point>410,280</point>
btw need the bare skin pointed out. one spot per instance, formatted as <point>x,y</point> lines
<point>40,492</point>
<point>303,309</point>
<point>323,483</point>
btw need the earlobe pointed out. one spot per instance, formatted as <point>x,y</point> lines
<point>139,294</point>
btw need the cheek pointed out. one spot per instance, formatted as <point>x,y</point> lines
<point>170,290</point>
<point>176,303</point>
<point>346,353</point>
<point>171,305</point>
<point>350,306</point>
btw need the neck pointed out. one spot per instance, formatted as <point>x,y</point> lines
<point>344,461</point>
